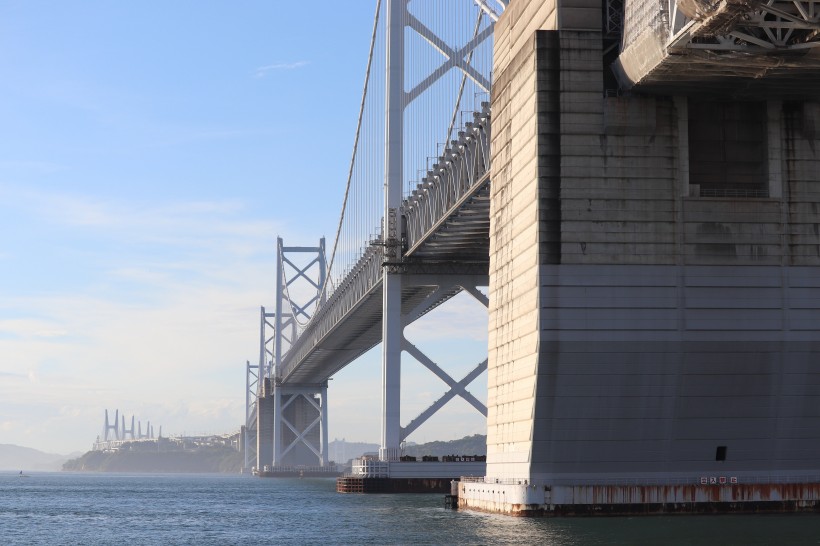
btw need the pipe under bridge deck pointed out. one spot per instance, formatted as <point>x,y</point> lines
<point>445,227</point>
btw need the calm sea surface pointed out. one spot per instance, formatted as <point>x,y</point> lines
<point>62,508</point>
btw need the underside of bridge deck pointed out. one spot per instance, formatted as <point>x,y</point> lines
<point>726,47</point>
<point>361,329</point>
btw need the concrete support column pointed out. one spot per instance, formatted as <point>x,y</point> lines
<point>276,405</point>
<point>391,369</point>
<point>243,448</point>
<point>323,425</point>
<point>264,426</point>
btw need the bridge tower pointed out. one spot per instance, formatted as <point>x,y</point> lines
<point>300,410</point>
<point>125,432</point>
<point>290,419</point>
<point>401,273</point>
<point>249,430</point>
<point>109,427</point>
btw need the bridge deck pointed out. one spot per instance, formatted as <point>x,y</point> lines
<point>448,224</point>
<point>357,333</point>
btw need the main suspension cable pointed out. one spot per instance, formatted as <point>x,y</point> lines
<point>322,292</point>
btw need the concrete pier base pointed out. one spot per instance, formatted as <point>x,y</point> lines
<point>654,302</point>
<point>529,500</point>
<point>374,476</point>
<point>355,484</point>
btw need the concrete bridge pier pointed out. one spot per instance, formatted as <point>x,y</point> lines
<point>654,281</point>
<point>264,425</point>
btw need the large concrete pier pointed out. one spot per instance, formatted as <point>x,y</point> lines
<point>654,282</point>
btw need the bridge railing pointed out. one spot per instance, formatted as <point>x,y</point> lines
<point>362,278</point>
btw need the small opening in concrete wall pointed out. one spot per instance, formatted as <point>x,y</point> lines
<point>728,148</point>
<point>720,453</point>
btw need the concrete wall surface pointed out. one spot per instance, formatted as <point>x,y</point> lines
<point>639,329</point>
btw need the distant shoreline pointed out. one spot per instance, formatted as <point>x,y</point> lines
<point>202,460</point>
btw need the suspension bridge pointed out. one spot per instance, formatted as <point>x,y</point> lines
<point>625,176</point>
<point>381,276</point>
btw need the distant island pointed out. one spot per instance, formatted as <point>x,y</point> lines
<point>166,455</point>
<point>162,455</point>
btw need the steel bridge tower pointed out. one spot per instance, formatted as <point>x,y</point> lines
<point>286,424</point>
<point>398,271</point>
<point>109,427</point>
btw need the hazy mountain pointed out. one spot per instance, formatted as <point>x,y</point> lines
<point>342,451</point>
<point>469,445</point>
<point>14,457</point>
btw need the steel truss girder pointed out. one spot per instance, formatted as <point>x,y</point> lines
<point>364,282</point>
<point>455,178</point>
<point>445,288</point>
<point>748,26</point>
<point>363,279</point>
<point>444,268</point>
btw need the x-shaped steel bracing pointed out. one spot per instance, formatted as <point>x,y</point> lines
<point>301,435</point>
<point>456,388</point>
<point>455,58</point>
<point>301,273</point>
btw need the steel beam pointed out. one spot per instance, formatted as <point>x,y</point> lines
<point>391,281</point>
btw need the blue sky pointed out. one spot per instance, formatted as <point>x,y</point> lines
<point>151,154</point>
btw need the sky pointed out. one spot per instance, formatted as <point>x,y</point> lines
<point>151,154</point>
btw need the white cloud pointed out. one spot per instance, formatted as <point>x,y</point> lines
<point>165,321</point>
<point>263,70</point>
<point>31,328</point>
<point>462,317</point>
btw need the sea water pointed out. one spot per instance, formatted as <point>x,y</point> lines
<point>79,508</point>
